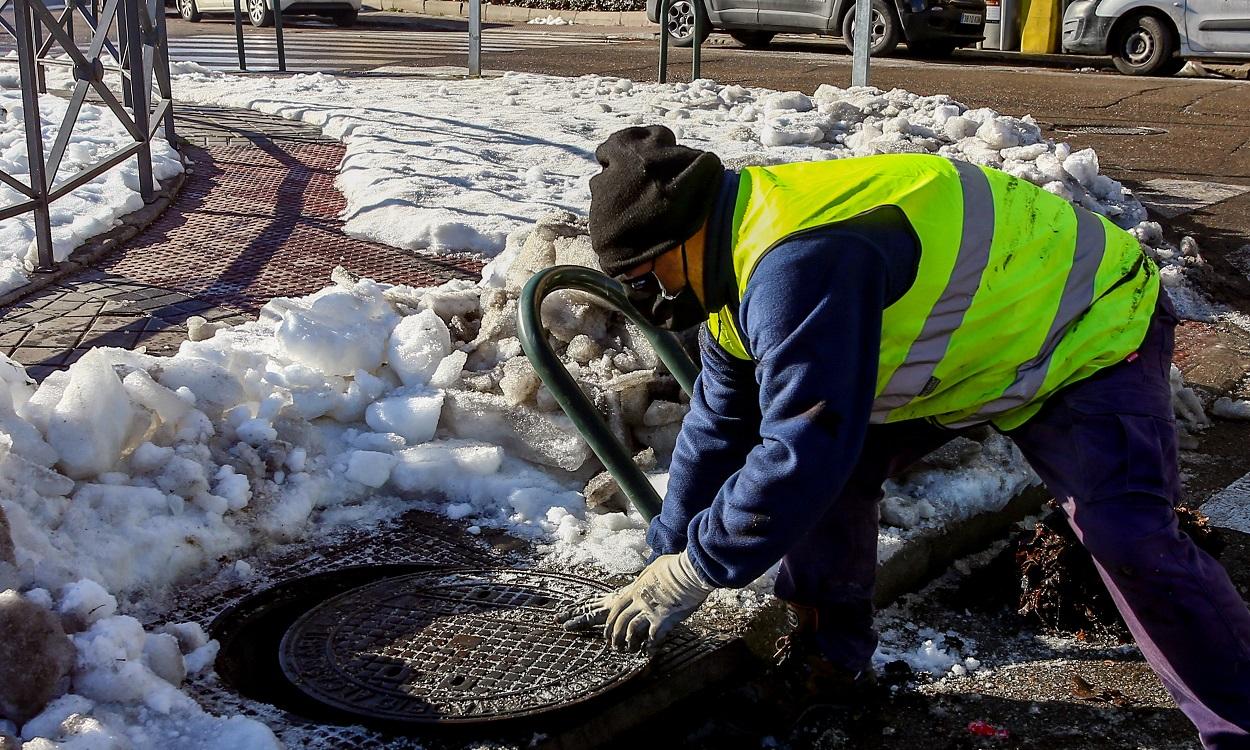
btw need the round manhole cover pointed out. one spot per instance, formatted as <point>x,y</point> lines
<point>452,647</point>
<point>1109,130</point>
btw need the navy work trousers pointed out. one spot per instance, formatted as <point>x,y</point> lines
<point>1106,448</point>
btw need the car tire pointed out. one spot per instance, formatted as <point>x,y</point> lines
<point>1145,46</point>
<point>931,50</point>
<point>885,31</point>
<point>752,39</point>
<point>259,13</point>
<point>680,23</point>
<point>344,18</point>
<point>188,11</point>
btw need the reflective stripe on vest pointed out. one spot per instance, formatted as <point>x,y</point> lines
<point>914,375</point>
<point>1017,293</point>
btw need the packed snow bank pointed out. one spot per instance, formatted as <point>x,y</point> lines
<point>87,211</point>
<point>442,166</point>
<point>445,166</point>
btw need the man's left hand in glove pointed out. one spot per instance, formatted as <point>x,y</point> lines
<point>666,592</point>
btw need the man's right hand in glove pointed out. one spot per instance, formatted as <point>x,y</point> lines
<point>666,592</point>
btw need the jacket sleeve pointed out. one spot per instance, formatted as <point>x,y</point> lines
<point>721,428</point>
<point>812,316</point>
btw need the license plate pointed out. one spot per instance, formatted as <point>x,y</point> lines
<point>970,18</point>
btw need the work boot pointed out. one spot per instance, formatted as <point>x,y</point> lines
<point>829,706</point>
<point>811,677</point>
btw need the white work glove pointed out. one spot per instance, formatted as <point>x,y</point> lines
<point>666,592</point>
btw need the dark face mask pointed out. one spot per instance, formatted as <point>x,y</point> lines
<point>676,313</point>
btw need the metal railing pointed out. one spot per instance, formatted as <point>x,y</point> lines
<point>279,41</point>
<point>126,37</point>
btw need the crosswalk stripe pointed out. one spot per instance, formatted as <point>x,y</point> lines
<point>321,48</point>
<point>316,50</point>
<point>361,42</point>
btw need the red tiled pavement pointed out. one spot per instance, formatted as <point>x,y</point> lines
<point>259,221</point>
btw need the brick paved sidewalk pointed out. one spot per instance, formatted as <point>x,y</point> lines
<point>257,218</point>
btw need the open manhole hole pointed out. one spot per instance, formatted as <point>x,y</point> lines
<point>409,645</point>
<point>1109,130</point>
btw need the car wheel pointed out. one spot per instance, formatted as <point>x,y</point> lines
<point>752,39</point>
<point>884,33</point>
<point>188,11</point>
<point>1145,46</point>
<point>344,18</point>
<point>680,24</point>
<point>931,49</point>
<point>259,14</point>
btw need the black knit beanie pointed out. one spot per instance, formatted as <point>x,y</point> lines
<point>651,196</point>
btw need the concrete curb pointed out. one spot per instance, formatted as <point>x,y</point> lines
<point>926,557</point>
<point>86,254</point>
<point>507,13</point>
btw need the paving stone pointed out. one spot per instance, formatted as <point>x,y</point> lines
<point>123,339</point>
<point>61,338</point>
<point>38,355</point>
<point>12,339</point>
<point>1214,356</point>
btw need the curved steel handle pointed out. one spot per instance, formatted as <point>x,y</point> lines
<point>565,390</point>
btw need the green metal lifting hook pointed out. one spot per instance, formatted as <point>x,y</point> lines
<point>569,396</point>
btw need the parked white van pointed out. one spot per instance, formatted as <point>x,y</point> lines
<point>1156,37</point>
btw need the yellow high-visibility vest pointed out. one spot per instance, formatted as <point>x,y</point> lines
<point>1017,294</point>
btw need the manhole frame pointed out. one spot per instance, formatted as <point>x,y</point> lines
<point>333,704</point>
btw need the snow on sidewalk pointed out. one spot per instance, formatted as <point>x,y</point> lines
<point>445,166</point>
<point>128,475</point>
<point>89,210</point>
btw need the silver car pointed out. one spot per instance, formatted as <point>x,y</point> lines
<point>260,12</point>
<point>929,27</point>
<point>1156,37</point>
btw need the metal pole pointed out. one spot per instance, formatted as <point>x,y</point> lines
<point>861,46</point>
<point>664,6</point>
<point>277,33</point>
<point>28,73</point>
<point>123,52</point>
<point>161,58</point>
<point>139,93</point>
<point>40,74</point>
<point>238,35</point>
<point>564,389</point>
<point>475,38</point>
<point>698,39</point>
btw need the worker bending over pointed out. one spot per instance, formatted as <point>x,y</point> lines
<point>859,312</point>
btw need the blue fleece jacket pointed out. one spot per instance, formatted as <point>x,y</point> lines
<point>768,445</point>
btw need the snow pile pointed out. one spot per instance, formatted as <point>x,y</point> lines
<point>938,654</point>
<point>119,685</point>
<point>962,479</point>
<point>446,167</point>
<point>1227,408</point>
<point>87,211</point>
<point>550,21</point>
